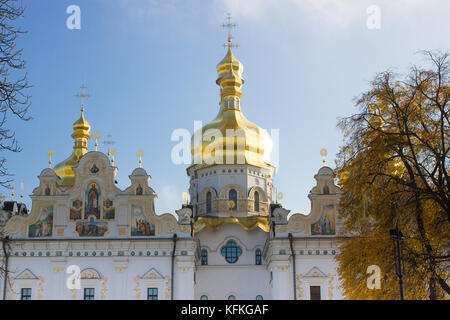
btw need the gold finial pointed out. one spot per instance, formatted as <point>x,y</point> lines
<point>229,26</point>
<point>112,152</point>
<point>109,142</point>
<point>3,198</point>
<point>185,197</point>
<point>140,154</point>
<point>12,192</point>
<point>279,197</point>
<point>82,96</point>
<point>323,153</point>
<point>96,135</point>
<point>21,192</point>
<point>50,154</point>
<point>231,205</point>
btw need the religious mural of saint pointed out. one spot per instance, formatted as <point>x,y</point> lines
<point>75,211</point>
<point>91,228</point>
<point>140,225</point>
<point>325,225</point>
<point>43,227</point>
<point>92,201</point>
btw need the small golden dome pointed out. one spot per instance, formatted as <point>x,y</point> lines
<point>81,124</point>
<point>229,79</point>
<point>80,134</point>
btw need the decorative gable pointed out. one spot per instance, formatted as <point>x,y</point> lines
<point>152,274</point>
<point>315,273</point>
<point>26,275</point>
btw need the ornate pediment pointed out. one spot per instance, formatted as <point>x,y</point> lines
<point>26,275</point>
<point>95,166</point>
<point>315,273</point>
<point>184,215</point>
<point>152,274</point>
<point>90,273</point>
<point>279,215</point>
<point>48,183</point>
<point>139,184</point>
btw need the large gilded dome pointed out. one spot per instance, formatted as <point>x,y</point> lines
<point>230,138</point>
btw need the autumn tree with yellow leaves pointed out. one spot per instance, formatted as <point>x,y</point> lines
<point>394,170</point>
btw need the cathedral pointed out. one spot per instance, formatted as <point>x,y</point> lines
<point>85,238</point>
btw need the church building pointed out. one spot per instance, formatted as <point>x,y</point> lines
<point>85,238</point>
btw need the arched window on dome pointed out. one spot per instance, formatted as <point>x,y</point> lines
<point>256,196</point>
<point>204,297</point>
<point>204,257</point>
<point>232,195</point>
<point>208,202</point>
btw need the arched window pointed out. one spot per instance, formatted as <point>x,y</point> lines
<point>204,257</point>
<point>208,202</point>
<point>231,297</point>
<point>232,195</point>
<point>259,297</point>
<point>256,201</point>
<point>231,252</point>
<point>258,256</point>
<point>204,297</point>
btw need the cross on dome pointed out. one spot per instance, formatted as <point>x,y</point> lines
<point>229,26</point>
<point>83,96</point>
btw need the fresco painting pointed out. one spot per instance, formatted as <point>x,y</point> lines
<point>326,223</point>
<point>91,228</point>
<point>140,224</point>
<point>44,226</point>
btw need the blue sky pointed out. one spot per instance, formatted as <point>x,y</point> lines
<point>150,67</point>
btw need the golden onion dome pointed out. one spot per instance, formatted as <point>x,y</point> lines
<point>80,134</point>
<point>230,138</point>
<point>81,125</point>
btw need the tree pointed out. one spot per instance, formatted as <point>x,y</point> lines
<point>13,83</point>
<point>394,171</point>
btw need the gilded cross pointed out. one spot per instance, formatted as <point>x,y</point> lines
<point>229,26</point>
<point>83,96</point>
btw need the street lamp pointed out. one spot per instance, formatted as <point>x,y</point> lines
<point>397,238</point>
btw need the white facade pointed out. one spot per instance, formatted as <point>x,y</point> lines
<point>231,241</point>
<point>120,266</point>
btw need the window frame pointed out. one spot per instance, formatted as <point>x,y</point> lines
<point>231,251</point>
<point>256,201</point>
<point>209,202</point>
<point>233,195</point>
<point>258,257</point>
<point>204,257</point>
<point>152,295</point>
<point>25,296</point>
<point>87,294</point>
